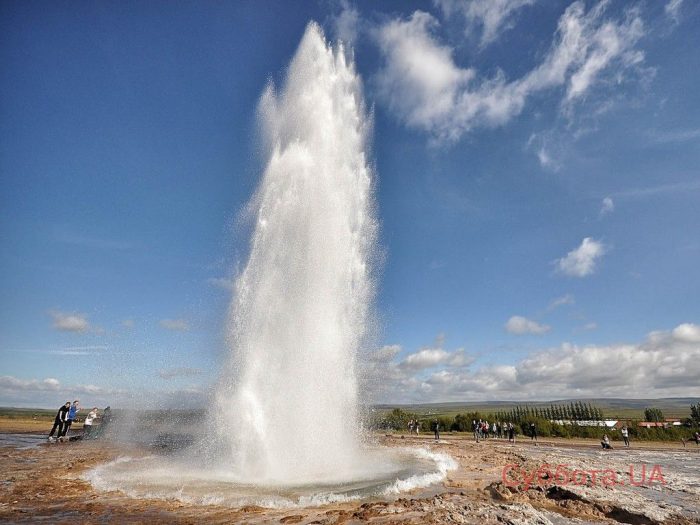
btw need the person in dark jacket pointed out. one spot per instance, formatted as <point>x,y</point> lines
<point>60,421</point>
<point>72,414</point>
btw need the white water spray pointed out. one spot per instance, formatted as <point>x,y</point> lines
<point>287,402</point>
<point>286,410</point>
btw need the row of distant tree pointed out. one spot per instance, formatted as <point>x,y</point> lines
<point>574,411</point>
<point>545,418</point>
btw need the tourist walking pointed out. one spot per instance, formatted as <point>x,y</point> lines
<point>437,430</point>
<point>60,421</point>
<point>511,433</point>
<point>533,432</point>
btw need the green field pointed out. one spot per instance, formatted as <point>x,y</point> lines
<point>675,407</point>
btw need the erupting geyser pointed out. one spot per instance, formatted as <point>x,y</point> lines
<point>287,402</point>
<point>286,419</point>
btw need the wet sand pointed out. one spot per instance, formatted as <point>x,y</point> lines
<point>43,483</point>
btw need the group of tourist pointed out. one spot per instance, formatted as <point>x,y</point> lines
<point>65,417</point>
<point>413,426</point>
<point>497,429</point>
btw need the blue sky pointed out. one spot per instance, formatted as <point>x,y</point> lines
<point>538,190</point>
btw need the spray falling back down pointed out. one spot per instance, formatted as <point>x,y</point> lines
<point>287,402</point>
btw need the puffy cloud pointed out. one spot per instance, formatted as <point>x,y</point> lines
<point>386,353</point>
<point>581,261</point>
<point>69,322</point>
<point>520,325</point>
<point>492,16</point>
<point>687,332</point>
<point>170,373</point>
<point>607,206</point>
<point>665,364</point>
<point>432,357</point>
<point>421,83</point>
<point>176,325</point>
<point>23,385</point>
<point>15,391</point>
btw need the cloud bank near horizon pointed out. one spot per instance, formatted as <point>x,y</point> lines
<point>664,364</point>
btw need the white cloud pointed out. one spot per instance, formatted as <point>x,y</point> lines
<point>520,325</point>
<point>22,385</point>
<point>432,357</point>
<point>687,332</point>
<point>170,373</point>
<point>607,206</point>
<point>69,322</point>
<point>581,261</point>
<point>176,325</point>
<point>492,16</point>
<point>673,9</point>
<point>386,353</point>
<point>421,83</point>
<point>545,160</point>
<point>561,301</point>
<point>128,323</point>
<point>666,364</point>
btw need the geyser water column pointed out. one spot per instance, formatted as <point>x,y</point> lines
<point>286,406</point>
<point>286,412</point>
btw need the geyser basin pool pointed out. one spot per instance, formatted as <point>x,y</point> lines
<point>383,472</point>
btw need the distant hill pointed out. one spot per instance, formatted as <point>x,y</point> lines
<point>613,408</point>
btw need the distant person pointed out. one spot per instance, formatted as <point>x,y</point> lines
<point>605,442</point>
<point>625,435</point>
<point>87,424</point>
<point>533,432</point>
<point>695,437</point>
<point>60,421</point>
<point>437,430</point>
<point>475,428</point>
<point>511,432</point>
<point>493,429</point>
<point>72,414</point>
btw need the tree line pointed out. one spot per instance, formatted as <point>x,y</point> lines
<point>574,411</point>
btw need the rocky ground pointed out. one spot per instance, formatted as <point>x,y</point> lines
<point>43,483</point>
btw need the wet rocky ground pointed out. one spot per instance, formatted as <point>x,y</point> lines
<point>495,483</point>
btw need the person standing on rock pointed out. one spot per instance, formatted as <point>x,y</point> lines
<point>60,421</point>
